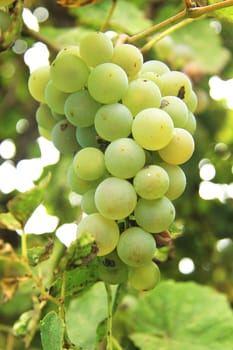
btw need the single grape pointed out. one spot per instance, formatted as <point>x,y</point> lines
<point>115,198</point>
<point>141,94</point>
<point>63,137</point>
<point>136,247</point>
<point>144,278</point>
<point>177,84</point>
<point>191,123</point>
<point>154,215</point>
<point>177,110</point>
<point>44,117</point>
<point>69,73</point>
<point>151,182</point>
<point>154,77</point>
<point>55,98</point>
<point>164,47</point>
<point>107,83</point>
<point>105,232</point>
<point>113,121</point>
<point>152,128</point>
<point>87,137</point>
<point>128,57</point>
<point>177,180</point>
<point>111,269</point>
<point>154,66</point>
<point>124,158</point>
<point>77,184</point>
<point>180,149</point>
<point>96,48</point>
<point>89,163</point>
<point>80,108</point>
<point>88,202</point>
<point>37,83</point>
<point>192,102</point>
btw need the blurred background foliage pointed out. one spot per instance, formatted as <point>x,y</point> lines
<point>203,50</point>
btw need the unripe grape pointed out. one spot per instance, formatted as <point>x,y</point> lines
<point>37,83</point>
<point>144,278</point>
<point>63,137</point>
<point>112,270</point>
<point>128,57</point>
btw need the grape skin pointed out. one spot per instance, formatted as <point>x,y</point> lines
<point>144,278</point>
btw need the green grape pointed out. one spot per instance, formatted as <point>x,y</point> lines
<point>177,84</point>
<point>177,180</point>
<point>87,137</point>
<point>128,57</point>
<point>141,94</point>
<point>155,66</point>
<point>80,108</point>
<point>191,123</point>
<point>124,158</point>
<point>154,77</point>
<point>44,133</point>
<point>113,121</point>
<point>89,163</point>
<point>151,182</point>
<point>192,102</point>
<point>37,83</point>
<point>115,198</point>
<point>69,73</point>
<point>88,202</point>
<point>144,278</point>
<point>152,128</point>
<point>136,247</point>
<point>154,215</point>
<point>44,117</point>
<point>107,83</point>
<point>96,48</point>
<point>112,270</point>
<point>105,232</point>
<point>165,47</point>
<point>5,21</point>
<point>63,137</point>
<point>77,184</point>
<point>55,98</point>
<point>180,149</point>
<point>177,110</point>
<point>70,49</point>
<point>57,116</point>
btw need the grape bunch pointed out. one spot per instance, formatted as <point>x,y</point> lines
<point>128,125</point>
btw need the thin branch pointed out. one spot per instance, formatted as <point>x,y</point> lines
<point>203,10</point>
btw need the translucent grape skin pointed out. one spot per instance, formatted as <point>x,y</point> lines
<point>38,81</point>
<point>96,48</point>
<point>136,247</point>
<point>154,66</point>
<point>55,98</point>
<point>105,232</point>
<point>154,215</point>
<point>63,137</point>
<point>128,57</point>
<point>152,128</point>
<point>77,184</point>
<point>141,94</point>
<point>80,108</point>
<point>177,180</point>
<point>88,202</point>
<point>151,182</point>
<point>113,121</point>
<point>87,137</point>
<point>115,198</point>
<point>144,278</point>
<point>112,270</point>
<point>107,83</point>
<point>175,83</point>
<point>124,158</point>
<point>69,73</point>
<point>180,149</point>
<point>177,110</point>
<point>89,163</point>
<point>44,117</point>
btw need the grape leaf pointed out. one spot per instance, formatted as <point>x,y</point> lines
<point>52,331</point>
<point>9,222</point>
<point>23,205</point>
<point>180,316</point>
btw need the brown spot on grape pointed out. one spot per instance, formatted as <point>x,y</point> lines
<point>164,103</point>
<point>181,93</point>
<point>63,126</point>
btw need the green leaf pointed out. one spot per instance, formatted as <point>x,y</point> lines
<point>181,316</point>
<point>127,17</point>
<point>52,330</point>
<point>9,222</point>
<point>40,248</point>
<point>23,205</point>
<point>84,315</point>
<point>206,45</point>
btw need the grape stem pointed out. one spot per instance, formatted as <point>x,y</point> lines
<point>190,12</point>
<point>109,317</point>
